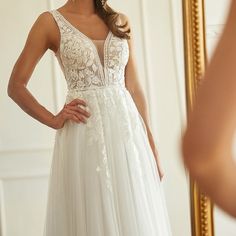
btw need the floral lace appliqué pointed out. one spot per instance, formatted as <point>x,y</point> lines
<point>79,60</point>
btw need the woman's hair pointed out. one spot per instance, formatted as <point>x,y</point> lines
<point>110,18</point>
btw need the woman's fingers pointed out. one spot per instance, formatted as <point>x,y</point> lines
<point>80,110</point>
<point>69,115</point>
<point>73,108</point>
<point>75,113</point>
<point>77,101</point>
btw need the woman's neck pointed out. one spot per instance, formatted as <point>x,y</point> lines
<point>81,7</point>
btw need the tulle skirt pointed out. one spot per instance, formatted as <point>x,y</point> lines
<point>104,179</point>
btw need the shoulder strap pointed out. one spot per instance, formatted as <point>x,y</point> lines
<point>58,20</point>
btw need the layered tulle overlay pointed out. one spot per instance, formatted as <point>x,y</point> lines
<point>104,179</point>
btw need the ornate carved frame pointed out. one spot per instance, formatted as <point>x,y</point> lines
<point>195,62</point>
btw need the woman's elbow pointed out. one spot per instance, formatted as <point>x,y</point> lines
<point>13,88</point>
<point>198,160</point>
<point>192,157</point>
<point>10,89</point>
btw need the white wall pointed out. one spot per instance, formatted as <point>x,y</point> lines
<point>26,145</point>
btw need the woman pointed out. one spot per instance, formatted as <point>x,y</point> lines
<point>106,176</point>
<point>207,142</point>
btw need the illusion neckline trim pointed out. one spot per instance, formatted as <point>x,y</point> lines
<point>103,65</point>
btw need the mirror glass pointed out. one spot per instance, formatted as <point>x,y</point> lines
<point>215,15</point>
<point>26,145</point>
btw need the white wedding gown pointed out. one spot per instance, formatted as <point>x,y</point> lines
<point>104,180</point>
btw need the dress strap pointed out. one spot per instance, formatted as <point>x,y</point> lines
<point>58,20</point>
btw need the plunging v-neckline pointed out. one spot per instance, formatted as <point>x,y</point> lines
<point>90,41</point>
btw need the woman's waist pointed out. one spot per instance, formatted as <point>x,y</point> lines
<point>91,89</point>
<point>93,93</point>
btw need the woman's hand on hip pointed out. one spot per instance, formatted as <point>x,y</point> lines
<point>71,111</point>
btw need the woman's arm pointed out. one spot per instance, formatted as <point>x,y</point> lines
<point>207,142</point>
<point>43,35</point>
<point>134,87</point>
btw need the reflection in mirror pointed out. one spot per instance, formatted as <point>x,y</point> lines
<point>26,146</point>
<point>215,15</point>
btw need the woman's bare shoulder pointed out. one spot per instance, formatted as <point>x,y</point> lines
<point>45,19</point>
<point>44,30</point>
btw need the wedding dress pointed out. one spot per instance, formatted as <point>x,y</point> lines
<point>104,179</point>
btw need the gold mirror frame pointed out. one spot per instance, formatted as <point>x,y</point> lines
<point>195,62</point>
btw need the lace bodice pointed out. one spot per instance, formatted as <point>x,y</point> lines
<point>79,58</point>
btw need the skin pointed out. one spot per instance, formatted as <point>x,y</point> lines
<point>207,142</point>
<point>45,35</point>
